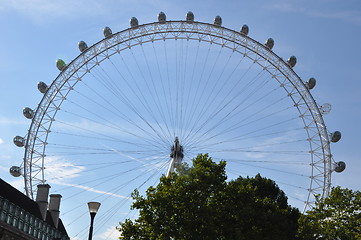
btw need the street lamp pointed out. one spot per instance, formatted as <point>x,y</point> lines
<point>93,209</point>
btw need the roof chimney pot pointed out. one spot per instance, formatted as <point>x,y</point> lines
<point>54,207</point>
<point>42,199</point>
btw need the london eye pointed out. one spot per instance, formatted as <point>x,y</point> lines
<point>133,106</point>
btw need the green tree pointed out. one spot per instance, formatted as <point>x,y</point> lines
<point>335,217</point>
<point>198,203</point>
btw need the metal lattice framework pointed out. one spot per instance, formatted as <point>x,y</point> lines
<point>281,71</point>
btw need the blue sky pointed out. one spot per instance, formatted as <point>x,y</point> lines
<point>323,35</point>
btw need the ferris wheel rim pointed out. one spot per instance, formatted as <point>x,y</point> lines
<point>180,27</point>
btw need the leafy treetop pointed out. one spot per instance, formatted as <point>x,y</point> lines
<point>198,203</point>
<point>335,217</point>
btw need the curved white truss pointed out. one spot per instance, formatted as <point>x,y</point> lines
<point>309,112</point>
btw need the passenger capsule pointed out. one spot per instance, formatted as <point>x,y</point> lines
<point>133,22</point>
<point>107,32</point>
<point>82,46</point>
<point>325,108</point>
<point>245,29</point>
<point>162,17</point>
<point>19,141</point>
<point>217,21</point>
<point>190,17</point>
<point>292,61</point>
<point>270,43</point>
<point>60,64</point>
<point>42,87</point>
<point>311,83</point>
<point>335,136</point>
<point>15,171</point>
<point>340,166</point>
<point>28,113</point>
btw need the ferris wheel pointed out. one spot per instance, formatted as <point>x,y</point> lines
<point>139,102</point>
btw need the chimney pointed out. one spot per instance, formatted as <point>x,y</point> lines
<point>42,199</point>
<point>54,208</point>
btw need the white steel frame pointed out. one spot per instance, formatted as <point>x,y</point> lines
<point>309,112</point>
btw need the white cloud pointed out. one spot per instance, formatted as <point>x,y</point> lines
<point>346,16</point>
<point>43,10</point>
<point>3,169</point>
<point>75,238</point>
<point>350,16</point>
<point>90,189</point>
<point>110,233</point>
<point>38,9</point>
<point>287,7</point>
<point>9,121</point>
<point>62,171</point>
<point>18,184</point>
<point>1,141</point>
<point>145,163</point>
<point>271,144</point>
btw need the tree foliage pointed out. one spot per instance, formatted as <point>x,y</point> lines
<point>198,203</point>
<point>335,217</point>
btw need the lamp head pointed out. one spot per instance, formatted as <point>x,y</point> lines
<point>93,207</point>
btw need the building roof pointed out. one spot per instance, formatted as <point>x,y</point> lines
<point>61,227</point>
<point>18,198</point>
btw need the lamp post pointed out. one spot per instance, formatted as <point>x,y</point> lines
<point>93,209</point>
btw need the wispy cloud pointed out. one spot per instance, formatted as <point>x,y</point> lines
<point>271,144</point>
<point>38,9</point>
<point>75,238</point>
<point>59,169</point>
<point>90,189</point>
<point>3,169</point>
<point>145,163</point>
<point>110,233</point>
<point>346,16</point>
<point>18,183</point>
<point>350,16</point>
<point>8,121</point>
<point>43,10</point>
<point>286,7</point>
<point>62,171</point>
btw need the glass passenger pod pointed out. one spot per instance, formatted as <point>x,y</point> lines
<point>190,17</point>
<point>15,171</point>
<point>82,46</point>
<point>134,22</point>
<point>217,21</point>
<point>162,17</point>
<point>28,113</point>
<point>270,43</point>
<point>311,83</point>
<point>60,64</point>
<point>245,30</point>
<point>107,32</point>
<point>19,141</point>
<point>335,136</point>
<point>292,61</point>
<point>340,166</point>
<point>42,87</point>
